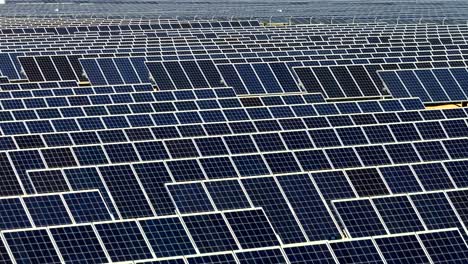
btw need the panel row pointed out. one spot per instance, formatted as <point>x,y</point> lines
<point>445,246</point>
<point>404,213</point>
<point>121,116</point>
<point>52,209</point>
<point>61,98</point>
<point>297,202</point>
<point>149,238</point>
<point>126,186</point>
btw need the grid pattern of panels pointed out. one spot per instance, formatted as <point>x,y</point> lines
<point>167,141</point>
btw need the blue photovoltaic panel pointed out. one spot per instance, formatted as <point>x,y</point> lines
<point>211,73</point>
<point>190,198</point>
<point>12,214</point>
<point>89,179</point>
<point>154,186</point>
<point>285,77</point>
<point>328,82</point>
<point>78,244</point>
<point>309,207</point>
<point>250,79</point>
<point>110,71</point>
<point>8,68</point>
<point>445,247</point>
<point>459,200</point>
<point>398,214</point>
<point>167,237</point>
<point>309,254</point>
<point>86,207</point>
<point>194,74</point>
<point>359,218</point>
<point>127,72</point>
<point>267,77</point>
<point>93,72</point>
<point>436,211</point>
<point>32,246</point>
<point>212,259</point>
<point>126,191</point>
<point>47,210</point>
<point>119,170</point>
<point>123,241</point>
<point>227,194</point>
<point>160,76</point>
<point>430,85</point>
<point>232,79</point>
<point>356,251</point>
<point>210,233</point>
<point>273,256</point>
<point>177,75</point>
<point>252,229</point>
<point>265,193</point>
<point>402,249</point>
<point>450,84</point>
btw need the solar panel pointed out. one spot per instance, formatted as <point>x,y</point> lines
<point>87,207</point>
<point>436,211</point>
<point>227,258</point>
<point>309,207</point>
<point>432,86</point>
<point>47,210</point>
<point>339,81</point>
<point>261,256</point>
<point>252,229</point>
<point>32,245</point>
<point>275,207</point>
<point>122,184</point>
<point>402,249</point>
<point>78,243</point>
<point>190,198</point>
<point>210,233</point>
<point>398,214</point>
<point>360,218</point>
<point>356,251</point>
<point>123,241</point>
<point>167,237</point>
<point>446,246</point>
<point>14,215</point>
<point>317,254</point>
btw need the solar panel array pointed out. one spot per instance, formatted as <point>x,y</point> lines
<point>231,141</point>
